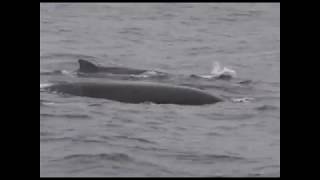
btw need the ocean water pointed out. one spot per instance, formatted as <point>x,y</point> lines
<point>87,137</point>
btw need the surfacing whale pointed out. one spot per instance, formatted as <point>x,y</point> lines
<point>88,68</point>
<point>137,92</point>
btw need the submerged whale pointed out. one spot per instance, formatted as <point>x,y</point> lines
<point>137,92</point>
<point>89,67</point>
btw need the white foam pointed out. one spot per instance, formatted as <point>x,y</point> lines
<point>65,72</point>
<point>218,71</point>
<point>242,100</point>
<point>45,85</point>
<point>207,76</point>
<point>151,73</point>
<point>146,74</point>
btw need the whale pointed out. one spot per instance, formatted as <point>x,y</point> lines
<point>89,67</point>
<point>136,92</point>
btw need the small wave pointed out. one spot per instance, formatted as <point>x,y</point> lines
<point>46,103</point>
<point>242,100</point>
<point>266,108</point>
<point>45,85</point>
<point>226,117</point>
<point>117,157</point>
<point>221,77</point>
<point>142,140</point>
<point>66,56</point>
<point>55,72</point>
<point>246,82</point>
<point>68,116</point>
<point>44,73</point>
<point>48,138</point>
<point>208,158</point>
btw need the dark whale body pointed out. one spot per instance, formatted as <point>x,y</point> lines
<point>89,67</point>
<point>137,92</point>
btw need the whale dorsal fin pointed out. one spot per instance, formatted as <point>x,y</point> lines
<point>87,67</point>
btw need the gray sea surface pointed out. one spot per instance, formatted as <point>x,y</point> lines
<point>87,137</point>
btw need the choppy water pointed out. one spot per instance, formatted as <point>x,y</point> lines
<point>93,137</point>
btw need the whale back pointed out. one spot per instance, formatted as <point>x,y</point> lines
<point>138,93</point>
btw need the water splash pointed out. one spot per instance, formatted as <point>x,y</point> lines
<point>218,72</point>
